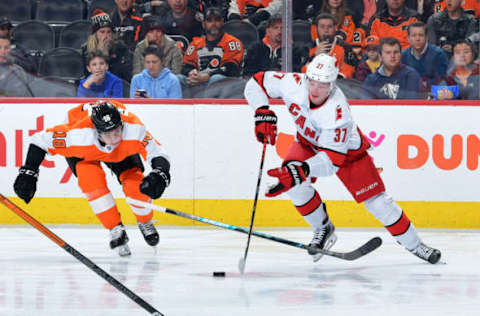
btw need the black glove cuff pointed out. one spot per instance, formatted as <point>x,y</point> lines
<point>161,163</point>
<point>35,157</point>
<point>268,117</point>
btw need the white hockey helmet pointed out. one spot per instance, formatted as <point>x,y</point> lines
<point>323,68</point>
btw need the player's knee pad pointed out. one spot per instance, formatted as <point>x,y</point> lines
<point>384,208</point>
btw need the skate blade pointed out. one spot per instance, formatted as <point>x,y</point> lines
<point>329,244</point>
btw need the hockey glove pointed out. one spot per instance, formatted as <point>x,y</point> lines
<point>265,125</point>
<point>25,184</point>
<point>290,175</point>
<point>155,183</point>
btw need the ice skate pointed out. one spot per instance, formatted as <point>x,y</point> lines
<point>427,253</point>
<point>323,238</point>
<point>149,232</point>
<point>119,240</point>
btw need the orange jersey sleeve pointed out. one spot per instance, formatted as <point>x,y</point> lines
<point>232,50</point>
<point>191,55</point>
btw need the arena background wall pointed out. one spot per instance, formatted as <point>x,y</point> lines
<point>427,152</point>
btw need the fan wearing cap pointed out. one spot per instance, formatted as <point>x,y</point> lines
<point>214,56</point>
<point>371,64</point>
<point>104,39</point>
<point>103,132</point>
<point>328,142</point>
<point>155,35</point>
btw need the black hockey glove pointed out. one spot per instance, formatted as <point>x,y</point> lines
<point>155,183</point>
<point>25,184</point>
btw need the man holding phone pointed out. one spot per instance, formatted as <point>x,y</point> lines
<point>328,43</point>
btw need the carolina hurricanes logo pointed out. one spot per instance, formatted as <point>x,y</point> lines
<point>339,113</point>
<point>214,62</point>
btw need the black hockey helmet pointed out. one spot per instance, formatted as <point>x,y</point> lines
<point>105,117</point>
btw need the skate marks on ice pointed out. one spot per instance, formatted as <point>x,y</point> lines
<point>39,279</point>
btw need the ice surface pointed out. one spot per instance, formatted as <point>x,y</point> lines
<point>39,278</point>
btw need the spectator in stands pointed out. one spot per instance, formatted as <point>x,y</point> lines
<point>328,43</point>
<point>102,38</point>
<point>155,34</point>
<point>469,6</point>
<point>253,11</point>
<point>214,56</point>
<point>428,60</point>
<point>362,11</point>
<point>155,81</point>
<point>14,81</point>
<point>371,64</point>
<point>101,83</point>
<point>266,55</point>
<point>180,20</point>
<point>127,21</point>
<point>19,55</point>
<point>393,21</point>
<point>392,80</point>
<point>465,72</point>
<point>450,25</point>
<point>343,18</point>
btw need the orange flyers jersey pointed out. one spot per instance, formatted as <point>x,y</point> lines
<point>346,69</point>
<point>79,138</point>
<point>469,6</point>
<point>240,6</point>
<point>348,28</point>
<point>328,127</point>
<point>385,26</point>
<point>228,50</point>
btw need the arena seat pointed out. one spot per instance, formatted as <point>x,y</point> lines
<point>16,10</point>
<point>62,62</point>
<point>301,32</point>
<point>246,32</point>
<point>73,35</point>
<point>34,36</point>
<point>59,10</point>
<point>53,87</point>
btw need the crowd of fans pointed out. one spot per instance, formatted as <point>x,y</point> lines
<point>387,49</point>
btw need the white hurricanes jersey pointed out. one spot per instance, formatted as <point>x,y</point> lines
<point>328,127</point>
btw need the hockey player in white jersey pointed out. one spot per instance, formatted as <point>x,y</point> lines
<point>327,142</point>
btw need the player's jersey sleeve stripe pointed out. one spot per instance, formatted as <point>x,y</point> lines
<point>259,77</point>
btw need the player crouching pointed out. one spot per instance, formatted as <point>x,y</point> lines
<point>103,132</point>
<point>327,142</point>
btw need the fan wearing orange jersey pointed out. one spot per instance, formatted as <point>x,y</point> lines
<point>214,56</point>
<point>104,132</point>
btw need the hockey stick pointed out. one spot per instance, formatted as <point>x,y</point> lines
<point>361,251</point>
<point>110,279</point>
<point>243,261</point>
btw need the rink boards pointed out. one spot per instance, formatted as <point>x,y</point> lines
<point>427,152</point>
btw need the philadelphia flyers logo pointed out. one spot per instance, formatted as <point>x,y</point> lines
<point>214,62</point>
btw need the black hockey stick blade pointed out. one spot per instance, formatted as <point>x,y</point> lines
<point>368,247</point>
<point>361,251</point>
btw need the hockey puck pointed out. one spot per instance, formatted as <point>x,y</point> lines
<point>219,274</point>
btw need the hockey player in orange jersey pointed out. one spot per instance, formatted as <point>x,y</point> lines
<point>103,132</point>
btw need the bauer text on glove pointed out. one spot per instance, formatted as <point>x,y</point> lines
<point>265,125</point>
<point>290,175</point>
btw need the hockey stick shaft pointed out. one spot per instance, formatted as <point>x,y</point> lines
<point>61,243</point>
<point>366,248</point>
<point>243,260</point>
